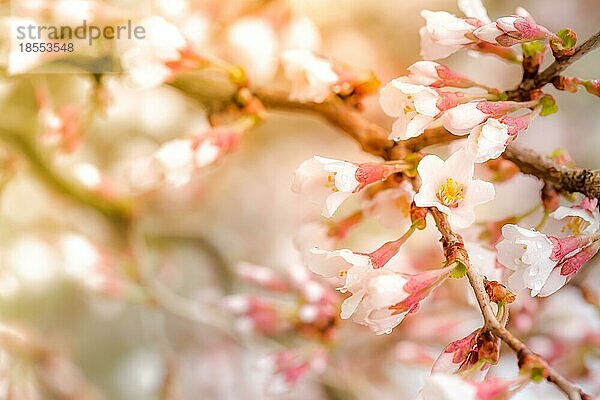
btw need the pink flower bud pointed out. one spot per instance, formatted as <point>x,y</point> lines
<point>573,264</point>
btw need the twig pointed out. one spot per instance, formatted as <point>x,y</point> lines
<point>118,211</point>
<point>554,69</point>
<point>563,178</point>
<point>451,240</point>
<point>373,139</point>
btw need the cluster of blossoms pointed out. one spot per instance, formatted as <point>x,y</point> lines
<point>176,161</point>
<point>378,289</point>
<point>431,94</point>
<point>310,308</point>
<point>544,263</point>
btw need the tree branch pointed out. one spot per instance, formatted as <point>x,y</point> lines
<point>451,240</point>
<point>554,69</point>
<point>373,139</point>
<point>118,211</point>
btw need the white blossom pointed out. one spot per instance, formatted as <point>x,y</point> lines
<point>447,387</point>
<point>583,219</point>
<point>414,106</point>
<point>449,186</point>
<point>145,63</point>
<point>529,254</point>
<point>369,304</point>
<point>311,77</point>
<point>443,34</point>
<point>326,181</point>
<point>253,45</point>
<point>488,140</point>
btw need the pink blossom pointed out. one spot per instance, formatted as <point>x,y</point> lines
<point>381,299</point>
<point>463,118</point>
<point>542,263</point>
<point>508,31</point>
<point>286,368</point>
<point>261,276</point>
<point>330,182</point>
<point>432,74</point>
<point>253,313</point>
<point>583,218</point>
<point>470,356</point>
<point>489,139</point>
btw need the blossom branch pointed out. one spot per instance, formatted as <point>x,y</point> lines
<point>564,178</point>
<point>453,244</point>
<point>555,69</point>
<point>116,210</point>
<point>373,138</point>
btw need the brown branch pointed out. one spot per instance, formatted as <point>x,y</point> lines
<point>554,69</point>
<point>373,139</point>
<point>563,178</point>
<point>451,241</point>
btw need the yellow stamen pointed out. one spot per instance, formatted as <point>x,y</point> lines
<point>576,225</point>
<point>451,193</point>
<point>330,184</point>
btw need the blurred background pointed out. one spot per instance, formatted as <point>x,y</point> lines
<point>76,313</point>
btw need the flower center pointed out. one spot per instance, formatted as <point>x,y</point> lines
<point>451,193</point>
<point>576,225</point>
<point>330,184</point>
<point>409,108</point>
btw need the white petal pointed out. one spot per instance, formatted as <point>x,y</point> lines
<point>555,281</point>
<point>474,9</point>
<point>426,102</point>
<point>461,218</point>
<point>460,166</point>
<point>479,192</point>
<point>430,50</point>
<point>488,32</point>
<point>391,100</point>
<point>447,387</point>
<point>351,304</point>
<point>462,118</point>
<point>386,290</point>
<point>417,125</point>
<point>333,202</point>
<point>430,168</point>
<point>400,126</point>
<point>423,73</point>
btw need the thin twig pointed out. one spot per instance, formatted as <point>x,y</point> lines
<point>451,240</point>
<point>554,69</point>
